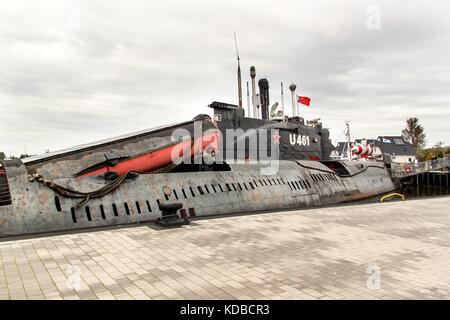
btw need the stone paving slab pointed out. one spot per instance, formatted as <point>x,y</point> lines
<point>397,250</point>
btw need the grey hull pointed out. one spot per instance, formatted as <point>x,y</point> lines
<point>36,208</point>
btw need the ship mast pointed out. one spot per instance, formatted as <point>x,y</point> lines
<point>239,72</point>
<point>347,134</point>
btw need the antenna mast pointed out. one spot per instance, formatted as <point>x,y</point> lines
<point>239,72</point>
<point>248,101</point>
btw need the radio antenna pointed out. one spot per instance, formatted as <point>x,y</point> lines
<point>236,46</point>
<point>239,72</point>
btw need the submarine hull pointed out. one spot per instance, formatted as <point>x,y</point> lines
<point>234,189</point>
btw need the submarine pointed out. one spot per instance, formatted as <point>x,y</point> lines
<point>230,163</point>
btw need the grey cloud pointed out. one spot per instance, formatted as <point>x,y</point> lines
<point>126,66</point>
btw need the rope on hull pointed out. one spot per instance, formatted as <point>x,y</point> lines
<point>78,194</point>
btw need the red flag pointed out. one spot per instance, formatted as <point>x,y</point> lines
<point>304,100</point>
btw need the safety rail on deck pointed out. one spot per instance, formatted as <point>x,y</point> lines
<point>400,170</point>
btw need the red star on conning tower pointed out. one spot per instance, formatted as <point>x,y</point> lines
<point>276,138</point>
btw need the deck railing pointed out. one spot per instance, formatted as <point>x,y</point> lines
<point>406,169</point>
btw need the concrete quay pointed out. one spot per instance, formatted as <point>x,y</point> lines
<point>392,250</point>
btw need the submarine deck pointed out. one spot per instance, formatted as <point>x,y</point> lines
<point>394,250</point>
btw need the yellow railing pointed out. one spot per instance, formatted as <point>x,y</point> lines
<point>392,195</point>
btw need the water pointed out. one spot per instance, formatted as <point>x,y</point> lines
<point>422,191</point>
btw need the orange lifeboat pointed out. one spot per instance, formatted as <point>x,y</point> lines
<point>161,157</point>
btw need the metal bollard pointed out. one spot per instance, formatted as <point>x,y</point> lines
<point>169,217</point>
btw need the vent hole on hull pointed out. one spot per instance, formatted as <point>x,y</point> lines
<point>102,212</point>
<point>74,216</point>
<point>88,213</point>
<point>138,207</point>
<point>116,213</point>
<point>149,207</point>
<point>57,204</point>
<point>127,209</point>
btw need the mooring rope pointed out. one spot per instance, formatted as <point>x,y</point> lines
<point>86,196</point>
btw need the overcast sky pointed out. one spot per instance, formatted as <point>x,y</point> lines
<point>78,71</point>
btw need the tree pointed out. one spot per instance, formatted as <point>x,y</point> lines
<point>414,133</point>
<point>2,155</point>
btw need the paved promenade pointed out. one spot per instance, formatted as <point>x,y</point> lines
<point>397,250</point>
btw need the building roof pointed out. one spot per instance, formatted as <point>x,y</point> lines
<point>395,145</point>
